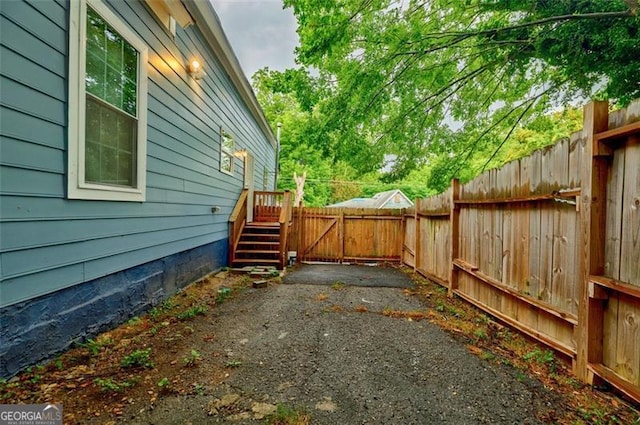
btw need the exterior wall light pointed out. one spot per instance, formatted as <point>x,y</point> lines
<point>242,153</point>
<point>195,69</point>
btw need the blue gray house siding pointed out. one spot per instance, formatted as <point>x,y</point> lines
<point>71,268</point>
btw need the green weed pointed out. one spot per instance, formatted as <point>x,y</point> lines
<point>110,385</point>
<point>233,363</point>
<point>337,285</point>
<point>94,346</point>
<point>139,358</point>
<point>192,312</point>
<point>481,334</point>
<point>223,294</point>
<point>192,358</point>
<point>487,355</point>
<point>164,383</point>
<point>285,415</point>
<point>135,320</point>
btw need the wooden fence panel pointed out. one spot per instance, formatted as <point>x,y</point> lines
<point>409,243</point>
<point>621,313</point>
<point>350,235</point>
<point>433,236</point>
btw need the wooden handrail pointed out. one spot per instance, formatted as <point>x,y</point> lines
<point>285,221</point>
<point>241,200</point>
<point>237,221</point>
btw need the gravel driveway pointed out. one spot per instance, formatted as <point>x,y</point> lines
<point>306,346</point>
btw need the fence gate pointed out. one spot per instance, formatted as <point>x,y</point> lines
<point>348,234</point>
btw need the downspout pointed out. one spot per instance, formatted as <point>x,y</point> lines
<point>275,181</point>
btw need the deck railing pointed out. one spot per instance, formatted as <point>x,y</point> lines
<point>267,206</point>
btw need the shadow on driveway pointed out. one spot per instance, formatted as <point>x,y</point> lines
<point>350,275</point>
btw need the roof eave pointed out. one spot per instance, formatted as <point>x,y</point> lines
<point>208,22</point>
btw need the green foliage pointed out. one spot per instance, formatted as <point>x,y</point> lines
<point>192,358</point>
<point>94,346</point>
<point>192,312</point>
<point>285,415</point>
<point>481,334</point>
<point>139,358</point>
<point>540,356</point>
<point>449,89</point>
<point>223,294</point>
<point>164,383</point>
<point>113,386</point>
<point>337,285</point>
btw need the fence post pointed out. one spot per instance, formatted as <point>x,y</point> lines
<point>301,225</point>
<point>416,249</point>
<point>454,234</point>
<point>592,218</point>
<point>341,235</point>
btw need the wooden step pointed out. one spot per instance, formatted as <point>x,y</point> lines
<point>255,251</point>
<point>254,227</point>
<point>260,235</point>
<point>259,243</point>
<point>255,261</point>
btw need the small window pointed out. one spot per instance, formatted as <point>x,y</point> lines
<point>265,178</point>
<point>107,106</point>
<point>226,152</point>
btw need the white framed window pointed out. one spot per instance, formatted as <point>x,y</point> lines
<point>226,152</point>
<point>107,106</point>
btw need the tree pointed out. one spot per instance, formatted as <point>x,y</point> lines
<point>308,143</point>
<point>442,80</point>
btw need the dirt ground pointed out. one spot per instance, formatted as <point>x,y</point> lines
<point>225,352</point>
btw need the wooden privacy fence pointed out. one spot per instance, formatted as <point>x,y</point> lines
<point>347,234</point>
<point>550,244</point>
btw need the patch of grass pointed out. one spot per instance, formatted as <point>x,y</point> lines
<point>597,416</point>
<point>285,415</point>
<point>139,358</point>
<point>487,355</point>
<point>113,386</point>
<point>337,285</point>
<point>192,359</point>
<point>135,320</point>
<point>223,295</point>
<point>481,334</point>
<point>192,312</point>
<point>233,363</point>
<point>198,389</point>
<point>94,346</point>
<point>544,357</point>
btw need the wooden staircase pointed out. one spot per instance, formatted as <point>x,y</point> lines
<point>259,245</point>
<point>262,241</point>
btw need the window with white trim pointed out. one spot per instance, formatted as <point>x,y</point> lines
<point>107,106</point>
<point>226,152</point>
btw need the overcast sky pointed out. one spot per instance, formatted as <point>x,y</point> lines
<point>260,32</point>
